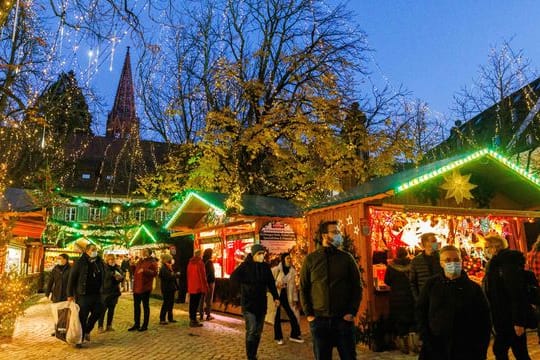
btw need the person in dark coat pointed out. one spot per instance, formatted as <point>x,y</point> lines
<point>85,285</point>
<point>57,285</point>
<point>113,277</point>
<point>167,278</point>
<point>331,293</point>
<point>425,264</point>
<point>504,285</point>
<point>255,279</point>
<point>126,268</point>
<point>453,313</point>
<point>401,298</point>
<point>205,307</point>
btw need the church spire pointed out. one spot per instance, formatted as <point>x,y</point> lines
<point>122,121</point>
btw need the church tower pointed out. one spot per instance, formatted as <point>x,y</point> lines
<point>122,121</point>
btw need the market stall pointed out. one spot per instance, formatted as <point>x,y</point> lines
<point>273,222</point>
<point>461,199</point>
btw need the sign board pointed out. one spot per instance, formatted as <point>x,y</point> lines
<point>277,236</point>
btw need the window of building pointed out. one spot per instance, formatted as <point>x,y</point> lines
<point>140,215</point>
<point>70,214</point>
<point>86,176</point>
<point>160,215</point>
<point>94,214</point>
<point>108,177</point>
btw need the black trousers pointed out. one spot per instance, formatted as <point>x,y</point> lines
<point>295,327</point>
<point>506,339</point>
<point>143,298</point>
<point>109,303</point>
<point>90,309</point>
<point>194,300</point>
<point>167,306</point>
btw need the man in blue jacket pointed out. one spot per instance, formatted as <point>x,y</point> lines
<point>330,292</point>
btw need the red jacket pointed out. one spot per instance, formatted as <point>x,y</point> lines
<point>196,276</point>
<point>143,280</point>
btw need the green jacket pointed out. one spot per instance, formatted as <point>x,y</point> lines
<point>330,283</point>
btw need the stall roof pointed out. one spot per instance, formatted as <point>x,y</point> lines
<point>502,173</point>
<point>17,200</point>
<point>196,205</point>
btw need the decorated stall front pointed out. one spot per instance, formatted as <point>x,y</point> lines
<point>275,223</point>
<point>461,199</point>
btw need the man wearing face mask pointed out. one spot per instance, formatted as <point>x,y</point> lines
<point>453,314</point>
<point>85,285</point>
<point>255,279</point>
<point>330,293</point>
<point>425,264</point>
<point>505,290</point>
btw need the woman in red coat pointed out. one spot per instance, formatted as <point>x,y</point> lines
<point>197,285</point>
<point>143,281</point>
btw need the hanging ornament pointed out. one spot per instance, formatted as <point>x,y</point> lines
<point>457,186</point>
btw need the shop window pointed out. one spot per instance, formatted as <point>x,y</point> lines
<point>70,214</point>
<point>85,176</point>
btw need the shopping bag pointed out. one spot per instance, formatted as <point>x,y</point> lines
<point>61,314</point>
<point>74,332</point>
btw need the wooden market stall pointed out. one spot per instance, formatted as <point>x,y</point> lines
<point>461,199</point>
<point>273,222</point>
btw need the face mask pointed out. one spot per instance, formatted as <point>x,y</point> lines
<point>93,254</point>
<point>337,240</point>
<point>452,268</point>
<point>435,246</point>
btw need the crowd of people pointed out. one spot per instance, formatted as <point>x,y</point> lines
<point>436,310</point>
<point>433,299</point>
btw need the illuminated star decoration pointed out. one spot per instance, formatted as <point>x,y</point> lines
<point>458,186</point>
<point>356,230</point>
<point>349,220</point>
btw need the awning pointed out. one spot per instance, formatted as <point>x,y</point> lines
<point>31,227</point>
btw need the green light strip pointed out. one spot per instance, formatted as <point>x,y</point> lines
<point>142,227</point>
<point>185,202</point>
<point>422,179</point>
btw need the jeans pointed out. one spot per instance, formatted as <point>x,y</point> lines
<point>295,328</point>
<point>90,309</point>
<point>254,328</point>
<point>329,332</point>
<point>194,300</point>
<point>167,306</point>
<point>109,303</point>
<point>145,299</point>
<point>205,306</point>
<point>506,339</point>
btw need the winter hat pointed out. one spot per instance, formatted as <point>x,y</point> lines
<point>256,248</point>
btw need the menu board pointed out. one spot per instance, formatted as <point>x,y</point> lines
<point>277,236</point>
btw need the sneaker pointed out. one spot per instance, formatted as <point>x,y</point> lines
<point>209,317</point>
<point>144,328</point>
<point>195,323</point>
<point>279,342</point>
<point>163,323</point>
<point>296,340</point>
<point>172,321</point>
<point>134,328</point>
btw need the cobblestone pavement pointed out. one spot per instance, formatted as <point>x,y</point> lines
<point>222,338</point>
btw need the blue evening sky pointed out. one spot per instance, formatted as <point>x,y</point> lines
<point>435,47</point>
<point>431,47</point>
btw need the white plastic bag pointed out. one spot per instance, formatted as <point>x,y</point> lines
<point>74,332</point>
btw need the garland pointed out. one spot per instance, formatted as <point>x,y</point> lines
<point>78,226</point>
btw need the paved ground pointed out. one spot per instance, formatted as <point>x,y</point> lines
<point>222,338</point>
